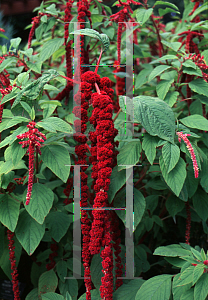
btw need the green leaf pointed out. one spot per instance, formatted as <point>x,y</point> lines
<point>157,71</point>
<point>129,154</point>
<point>61,269</point>
<point>163,87</point>
<point>199,86</point>
<point>142,15</point>
<point>200,204</point>
<point>117,180</point>
<point>70,286</point>
<point>33,295</point>
<point>198,271</point>
<point>5,63</point>
<point>128,290</point>
<point>49,48</point>
<point>53,123</point>
<point>171,98</point>
<point>188,295</point>
<point>12,122</point>
<point>95,295</point>
<point>139,206</point>
<point>175,178</point>
<point>195,121</point>
<point>52,296</point>
<point>171,154</point>
<point>174,205</point>
<point>201,287</point>
<point>40,203</point>
<point>156,288</point>
<point>199,10</point>
<point>196,254</point>
<point>57,159</point>
<point>142,77</point>
<point>48,282</point>
<point>36,67</point>
<point>149,112</point>
<point>167,10</point>
<point>11,138</point>
<point>9,211</point>
<point>171,250</point>
<point>9,96</point>
<point>58,223</point>
<point>166,4</point>
<point>173,45</point>
<point>26,107</point>
<point>203,255</point>
<point>149,145</point>
<point>29,232</point>
<point>94,34</point>
<point>186,276</point>
<point>164,58</point>
<point>178,291</point>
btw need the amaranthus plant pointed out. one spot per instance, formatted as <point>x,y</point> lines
<point>72,135</point>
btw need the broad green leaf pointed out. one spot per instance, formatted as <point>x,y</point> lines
<point>48,282</point>
<point>7,123</point>
<point>149,112</point>
<point>199,86</point>
<point>40,203</point>
<point>142,77</point>
<point>163,87</point>
<point>95,295</point>
<point>36,67</point>
<point>49,48</point>
<point>17,152</point>
<point>189,63</point>
<point>205,54</point>
<point>163,58</point>
<point>203,255</point>
<point>167,10</point>
<point>117,180</point>
<point>11,138</point>
<point>186,276</point>
<point>53,123</point>
<point>5,179</point>
<point>171,98</point>
<point>57,159</point>
<point>29,232</point>
<point>156,288</point>
<point>58,223</point>
<point>173,45</point>
<point>61,269</point>
<point>195,121</point>
<point>149,145</point>
<point>198,271</point>
<point>70,286</point>
<point>196,254</point>
<point>171,154</point>
<point>178,291</point>
<point>52,296</point>
<point>200,204</point>
<point>171,250</point>
<point>139,206</point>
<point>175,178</point>
<point>142,15</point>
<point>9,97</point>
<point>174,205</point>
<point>201,287</point>
<point>94,34</point>
<point>188,295</point>
<point>33,295</point>
<point>157,71</point>
<point>126,105</point>
<point>6,62</point>
<point>34,90</point>
<point>9,211</point>
<point>166,4</point>
<point>129,154</point>
<point>128,290</point>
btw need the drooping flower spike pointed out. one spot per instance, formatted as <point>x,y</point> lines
<point>183,136</point>
<point>34,138</point>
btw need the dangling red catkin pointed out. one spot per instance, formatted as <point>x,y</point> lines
<point>84,94</point>
<point>120,85</point>
<point>33,141</point>
<point>14,273</point>
<point>188,222</point>
<point>100,232</point>
<point>54,248</point>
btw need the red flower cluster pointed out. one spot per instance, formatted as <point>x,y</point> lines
<point>54,248</point>
<point>200,62</point>
<point>2,30</point>
<point>190,46</point>
<point>183,136</point>
<point>120,84</point>
<point>33,141</point>
<point>14,273</point>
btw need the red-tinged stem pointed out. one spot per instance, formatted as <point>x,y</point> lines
<point>97,88</point>
<point>69,79</point>
<point>98,63</point>
<point>116,116</point>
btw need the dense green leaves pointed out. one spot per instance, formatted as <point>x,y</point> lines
<point>142,15</point>
<point>54,124</point>
<point>171,250</point>
<point>195,121</point>
<point>9,211</point>
<point>49,48</point>
<point>171,154</point>
<point>129,155</point>
<point>48,282</point>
